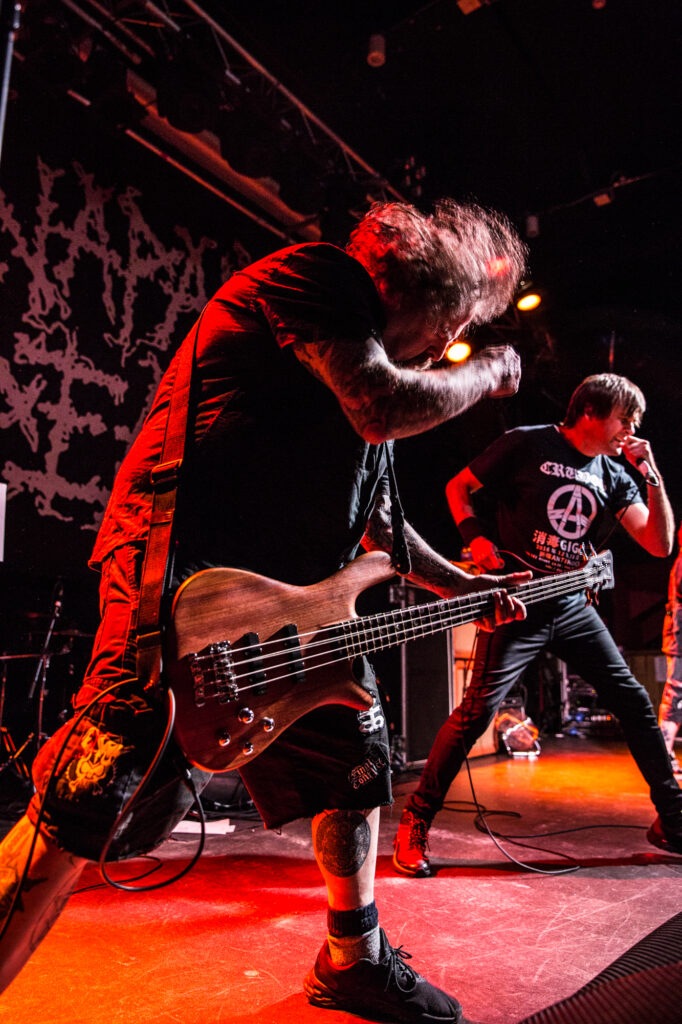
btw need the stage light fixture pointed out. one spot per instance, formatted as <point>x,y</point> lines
<point>459,351</point>
<point>604,198</point>
<point>528,297</point>
<point>532,225</point>
<point>376,53</point>
<point>469,6</point>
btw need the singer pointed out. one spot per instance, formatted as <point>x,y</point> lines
<point>647,472</point>
<point>555,489</point>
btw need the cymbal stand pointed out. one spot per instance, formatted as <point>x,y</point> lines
<point>40,678</point>
<point>7,744</point>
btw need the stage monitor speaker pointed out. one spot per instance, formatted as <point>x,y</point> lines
<point>463,644</point>
<point>432,675</point>
<point>427,692</point>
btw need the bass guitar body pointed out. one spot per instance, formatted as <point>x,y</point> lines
<point>245,657</point>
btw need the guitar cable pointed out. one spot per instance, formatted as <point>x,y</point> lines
<point>128,806</point>
<point>481,822</point>
<point>188,780</point>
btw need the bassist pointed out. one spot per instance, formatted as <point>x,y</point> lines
<point>306,363</point>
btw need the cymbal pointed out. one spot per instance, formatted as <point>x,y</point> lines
<point>15,657</point>
<point>72,633</point>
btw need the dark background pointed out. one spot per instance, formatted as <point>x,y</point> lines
<point>536,107</point>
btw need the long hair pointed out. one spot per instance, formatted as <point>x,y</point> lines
<point>459,261</point>
<point>603,393</point>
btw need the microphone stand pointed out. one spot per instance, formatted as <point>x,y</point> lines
<point>399,596</point>
<point>40,677</point>
<point>10,17</point>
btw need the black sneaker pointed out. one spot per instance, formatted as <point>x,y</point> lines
<point>410,846</point>
<point>389,990</point>
<point>665,837</point>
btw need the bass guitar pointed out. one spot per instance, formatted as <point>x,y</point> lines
<point>247,656</point>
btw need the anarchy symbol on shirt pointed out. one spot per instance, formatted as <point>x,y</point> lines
<point>571,510</point>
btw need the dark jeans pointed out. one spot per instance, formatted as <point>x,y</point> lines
<point>574,632</point>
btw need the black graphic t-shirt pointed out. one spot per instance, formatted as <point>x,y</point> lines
<point>551,500</point>
<point>275,480</point>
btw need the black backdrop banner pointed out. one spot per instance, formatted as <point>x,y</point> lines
<point>106,256</point>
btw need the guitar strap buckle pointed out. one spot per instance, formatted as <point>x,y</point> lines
<point>164,476</point>
<point>149,660</point>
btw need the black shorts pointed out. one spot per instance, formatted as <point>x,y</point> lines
<point>334,757</point>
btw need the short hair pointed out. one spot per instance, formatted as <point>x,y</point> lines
<point>459,261</point>
<point>603,393</point>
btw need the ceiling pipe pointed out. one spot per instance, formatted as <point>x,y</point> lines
<point>204,150</point>
<point>305,111</point>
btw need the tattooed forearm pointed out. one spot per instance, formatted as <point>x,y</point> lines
<point>358,375</point>
<point>429,569</point>
<point>384,400</point>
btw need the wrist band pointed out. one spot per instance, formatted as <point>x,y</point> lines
<point>470,528</point>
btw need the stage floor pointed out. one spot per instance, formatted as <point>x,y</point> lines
<point>508,929</point>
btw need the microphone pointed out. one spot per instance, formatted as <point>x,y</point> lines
<point>648,473</point>
<point>57,595</point>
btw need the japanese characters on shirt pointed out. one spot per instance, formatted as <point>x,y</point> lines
<point>551,501</point>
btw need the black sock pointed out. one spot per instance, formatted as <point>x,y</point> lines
<point>354,935</point>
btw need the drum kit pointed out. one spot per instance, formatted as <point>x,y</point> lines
<point>38,702</point>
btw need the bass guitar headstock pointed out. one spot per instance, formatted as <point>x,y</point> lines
<point>598,570</point>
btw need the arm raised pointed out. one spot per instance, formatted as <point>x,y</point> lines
<point>384,400</point>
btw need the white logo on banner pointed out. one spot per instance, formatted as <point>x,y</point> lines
<point>98,296</point>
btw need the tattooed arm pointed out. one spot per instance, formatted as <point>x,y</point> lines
<point>431,570</point>
<point>384,400</point>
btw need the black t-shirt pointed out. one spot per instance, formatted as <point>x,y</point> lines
<point>276,480</point>
<point>550,500</point>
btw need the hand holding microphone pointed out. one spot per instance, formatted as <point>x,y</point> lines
<point>638,453</point>
<point>647,472</point>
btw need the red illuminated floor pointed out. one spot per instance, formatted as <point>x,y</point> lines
<point>232,940</point>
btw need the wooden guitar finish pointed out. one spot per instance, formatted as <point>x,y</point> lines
<point>247,655</point>
<point>230,604</point>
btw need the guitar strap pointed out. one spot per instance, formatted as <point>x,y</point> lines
<point>158,562</point>
<point>157,566</point>
<point>400,556</point>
